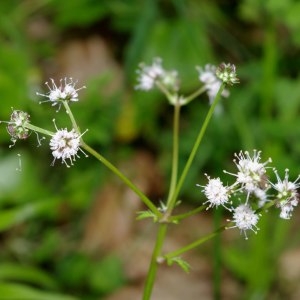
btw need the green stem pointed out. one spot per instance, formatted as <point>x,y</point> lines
<point>70,114</point>
<point>175,152</point>
<point>165,91</point>
<point>217,256</point>
<point>195,148</point>
<point>38,129</point>
<point>194,244</point>
<point>195,94</point>
<point>176,218</point>
<point>110,166</point>
<point>162,229</point>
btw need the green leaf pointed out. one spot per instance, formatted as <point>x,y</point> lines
<point>180,262</point>
<point>28,274</point>
<point>12,291</point>
<point>147,214</point>
<point>14,216</point>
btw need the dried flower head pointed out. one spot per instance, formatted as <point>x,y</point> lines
<point>66,91</point>
<point>16,126</point>
<point>227,73</point>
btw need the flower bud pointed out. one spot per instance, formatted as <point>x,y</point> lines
<point>17,125</point>
<point>227,73</point>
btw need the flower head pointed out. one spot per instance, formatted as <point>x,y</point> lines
<point>287,194</point>
<point>66,91</point>
<point>251,173</point>
<point>16,126</point>
<point>245,219</point>
<point>150,75</point>
<point>65,145</point>
<point>227,73</point>
<point>216,193</point>
<point>211,82</point>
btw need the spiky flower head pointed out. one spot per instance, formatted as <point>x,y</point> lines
<point>65,91</point>
<point>251,175</point>
<point>245,219</point>
<point>227,73</point>
<point>65,145</point>
<point>216,193</point>
<point>287,194</point>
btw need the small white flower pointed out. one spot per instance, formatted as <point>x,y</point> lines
<point>245,219</point>
<point>65,145</point>
<point>216,193</point>
<point>251,173</point>
<point>154,74</point>
<point>261,195</point>
<point>66,91</point>
<point>211,82</point>
<point>149,74</point>
<point>287,194</point>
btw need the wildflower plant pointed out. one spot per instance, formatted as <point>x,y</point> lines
<point>246,198</point>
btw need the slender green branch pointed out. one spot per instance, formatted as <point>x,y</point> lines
<point>70,114</point>
<point>177,218</point>
<point>194,244</point>
<point>195,148</point>
<point>165,91</point>
<point>162,229</point>
<point>38,129</point>
<point>110,166</point>
<point>195,94</point>
<point>175,152</point>
<point>198,242</point>
<point>217,255</point>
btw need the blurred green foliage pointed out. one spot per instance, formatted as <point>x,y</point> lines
<point>260,37</point>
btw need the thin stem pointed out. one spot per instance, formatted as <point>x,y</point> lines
<point>195,148</point>
<point>194,244</point>
<point>175,152</point>
<point>165,91</point>
<point>176,218</point>
<point>38,129</point>
<point>162,229</point>
<point>217,256</point>
<point>194,95</point>
<point>70,114</point>
<point>110,166</point>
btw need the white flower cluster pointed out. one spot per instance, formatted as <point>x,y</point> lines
<point>148,76</point>
<point>66,91</point>
<point>64,144</point>
<point>253,182</point>
<point>211,77</point>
